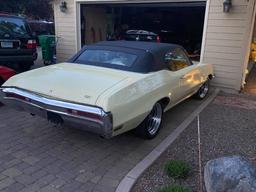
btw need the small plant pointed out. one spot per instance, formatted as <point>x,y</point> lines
<point>175,188</point>
<point>177,169</point>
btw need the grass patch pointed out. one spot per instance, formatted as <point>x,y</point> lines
<point>177,169</point>
<point>175,188</point>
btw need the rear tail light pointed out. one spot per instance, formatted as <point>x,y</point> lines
<point>158,39</point>
<point>16,96</point>
<point>85,114</point>
<point>31,44</point>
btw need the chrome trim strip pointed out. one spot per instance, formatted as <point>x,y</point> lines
<point>52,102</point>
<point>55,111</point>
<point>54,105</point>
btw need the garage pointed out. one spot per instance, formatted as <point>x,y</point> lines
<point>180,23</point>
<point>224,36</point>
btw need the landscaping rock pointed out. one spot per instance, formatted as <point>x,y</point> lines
<point>230,174</point>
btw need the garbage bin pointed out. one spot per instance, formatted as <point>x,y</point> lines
<point>48,45</point>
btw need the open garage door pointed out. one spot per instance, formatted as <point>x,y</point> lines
<point>179,23</point>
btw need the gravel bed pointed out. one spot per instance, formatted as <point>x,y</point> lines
<point>227,128</point>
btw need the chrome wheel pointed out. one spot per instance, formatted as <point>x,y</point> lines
<point>155,119</point>
<point>203,90</point>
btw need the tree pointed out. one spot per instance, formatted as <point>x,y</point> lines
<point>36,9</point>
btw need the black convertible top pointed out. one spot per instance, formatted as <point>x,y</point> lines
<point>150,55</point>
<point>152,47</point>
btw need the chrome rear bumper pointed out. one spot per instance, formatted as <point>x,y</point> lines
<point>89,118</point>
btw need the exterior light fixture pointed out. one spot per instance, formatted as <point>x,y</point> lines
<point>227,4</point>
<point>63,6</point>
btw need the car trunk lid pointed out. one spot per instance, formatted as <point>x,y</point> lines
<point>68,82</point>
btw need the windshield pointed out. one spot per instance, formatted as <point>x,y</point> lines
<point>111,58</point>
<point>13,27</point>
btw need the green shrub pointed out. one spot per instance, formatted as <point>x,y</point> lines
<point>177,169</point>
<point>175,188</point>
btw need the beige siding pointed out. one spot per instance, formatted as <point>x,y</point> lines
<point>65,27</point>
<point>226,38</point>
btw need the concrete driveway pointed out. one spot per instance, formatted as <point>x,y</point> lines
<point>37,156</point>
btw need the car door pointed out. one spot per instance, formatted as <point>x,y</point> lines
<point>187,75</point>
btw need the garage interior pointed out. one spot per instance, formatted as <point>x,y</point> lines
<point>179,23</point>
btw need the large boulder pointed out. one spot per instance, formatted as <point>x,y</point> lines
<point>230,174</point>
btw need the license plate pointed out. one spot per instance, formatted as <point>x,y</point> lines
<point>6,44</point>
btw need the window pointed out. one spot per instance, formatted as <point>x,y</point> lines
<point>177,60</point>
<point>107,57</point>
<point>15,27</point>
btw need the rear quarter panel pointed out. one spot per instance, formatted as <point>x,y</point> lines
<point>132,100</point>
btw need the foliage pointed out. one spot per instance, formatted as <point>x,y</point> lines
<point>36,9</point>
<point>177,169</point>
<point>175,188</point>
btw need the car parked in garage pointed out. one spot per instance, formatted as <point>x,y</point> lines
<point>141,35</point>
<point>111,87</point>
<point>17,44</point>
<point>5,73</point>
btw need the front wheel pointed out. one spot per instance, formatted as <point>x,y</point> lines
<point>203,90</point>
<point>150,127</point>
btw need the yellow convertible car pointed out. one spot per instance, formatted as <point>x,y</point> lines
<point>111,87</point>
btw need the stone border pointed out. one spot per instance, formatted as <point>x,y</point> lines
<point>129,180</point>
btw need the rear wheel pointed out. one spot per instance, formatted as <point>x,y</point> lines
<point>150,127</point>
<point>203,90</point>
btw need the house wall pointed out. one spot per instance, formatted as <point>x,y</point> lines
<point>65,27</point>
<point>226,41</point>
